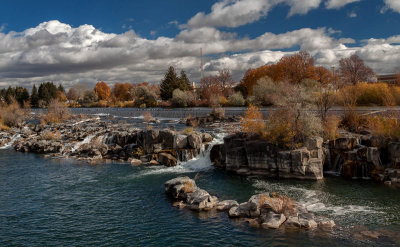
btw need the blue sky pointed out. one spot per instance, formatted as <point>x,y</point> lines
<point>131,41</point>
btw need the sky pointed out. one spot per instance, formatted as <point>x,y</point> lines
<point>72,42</point>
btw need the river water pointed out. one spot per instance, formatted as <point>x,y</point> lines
<point>62,202</point>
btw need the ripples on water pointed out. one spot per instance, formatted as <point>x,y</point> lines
<point>66,203</point>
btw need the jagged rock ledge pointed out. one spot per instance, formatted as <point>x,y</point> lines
<point>261,210</point>
<point>350,155</point>
<point>95,141</point>
<point>249,155</point>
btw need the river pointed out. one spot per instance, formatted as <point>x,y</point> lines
<point>63,202</point>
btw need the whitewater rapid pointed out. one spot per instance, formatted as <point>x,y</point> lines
<point>197,164</point>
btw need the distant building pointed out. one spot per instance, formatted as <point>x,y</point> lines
<point>389,79</point>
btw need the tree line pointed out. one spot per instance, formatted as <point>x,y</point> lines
<point>175,89</point>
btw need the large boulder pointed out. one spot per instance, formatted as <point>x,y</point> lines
<point>147,139</point>
<point>180,141</point>
<point>272,220</point>
<point>167,159</point>
<point>394,153</point>
<point>301,221</point>
<point>195,140</point>
<point>344,143</point>
<point>201,200</point>
<point>167,139</point>
<point>226,205</point>
<point>180,187</point>
<point>218,155</point>
<point>243,210</point>
<point>312,143</point>
<point>206,137</point>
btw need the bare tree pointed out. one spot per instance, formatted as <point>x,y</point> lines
<point>354,70</point>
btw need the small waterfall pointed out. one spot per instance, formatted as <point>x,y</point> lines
<point>13,139</point>
<point>86,140</point>
<point>336,169</point>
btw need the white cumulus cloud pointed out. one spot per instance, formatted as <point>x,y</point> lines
<point>235,13</point>
<point>337,4</point>
<point>393,4</point>
<point>55,51</point>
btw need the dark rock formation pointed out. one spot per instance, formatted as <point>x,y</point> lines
<point>260,210</point>
<point>94,140</point>
<point>250,155</point>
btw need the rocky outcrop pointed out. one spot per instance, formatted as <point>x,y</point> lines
<point>260,210</point>
<point>210,119</point>
<point>184,189</point>
<point>95,140</point>
<point>250,155</point>
<point>364,156</point>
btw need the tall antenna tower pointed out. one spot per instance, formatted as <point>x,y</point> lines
<point>201,63</point>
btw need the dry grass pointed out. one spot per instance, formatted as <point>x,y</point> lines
<point>147,117</point>
<point>188,186</point>
<point>352,121</point>
<point>366,94</point>
<point>384,126</point>
<point>12,115</point>
<point>56,113</point>
<point>331,126</point>
<point>253,121</point>
<point>279,203</point>
<point>218,112</point>
<point>188,131</point>
<point>51,136</point>
<point>3,127</point>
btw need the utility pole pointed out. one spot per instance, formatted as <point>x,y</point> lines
<point>201,63</point>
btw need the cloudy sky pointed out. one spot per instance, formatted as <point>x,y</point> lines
<point>87,41</point>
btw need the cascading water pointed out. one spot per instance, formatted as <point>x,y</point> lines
<point>200,163</point>
<point>84,141</point>
<point>13,139</point>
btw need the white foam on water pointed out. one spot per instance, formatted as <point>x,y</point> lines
<point>85,120</point>
<point>312,199</point>
<point>198,164</point>
<point>9,144</point>
<point>84,141</point>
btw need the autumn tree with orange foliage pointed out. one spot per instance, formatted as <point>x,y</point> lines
<point>298,67</point>
<point>253,121</point>
<point>323,75</point>
<point>121,91</point>
<point>102,90</point>
<point>293,69</point>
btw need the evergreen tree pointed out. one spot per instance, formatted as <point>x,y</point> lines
<point>169,84</point>
<point>3,95</point>
<point>10,95</point>
<point>21,95</point>
<point>184,84</point>
<point>34,97</point>
<point>47,92</point>
<point>61,88</point>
